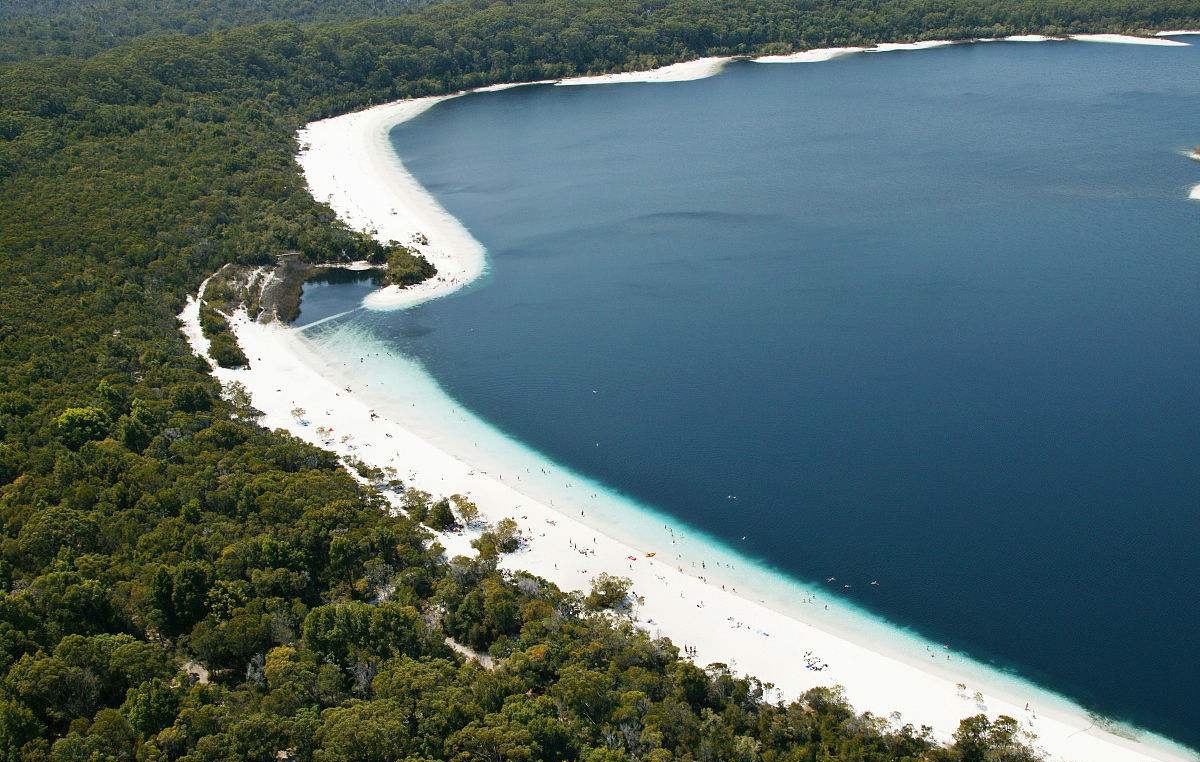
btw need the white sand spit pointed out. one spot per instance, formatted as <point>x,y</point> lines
<point>680,72</point>
<point>349,163</point>
<point>889,47</point>
<point>511,85</point>
<point>816,55</point>
<point>1127,39</point>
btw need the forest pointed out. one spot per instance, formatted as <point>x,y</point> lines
<point>179,583</point>
<point>86,27</point>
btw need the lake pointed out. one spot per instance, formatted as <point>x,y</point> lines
<point>928,318</point>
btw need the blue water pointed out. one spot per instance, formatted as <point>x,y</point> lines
<point>928,318</point>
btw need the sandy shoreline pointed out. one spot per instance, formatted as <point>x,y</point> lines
<point>680,72</point>
<point>682,602</point>
<point>349,163</point>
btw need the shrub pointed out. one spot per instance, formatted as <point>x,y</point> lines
<point>225,350</point>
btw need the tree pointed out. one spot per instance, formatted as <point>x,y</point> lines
<point>225,350</point>
<point>151,706</point>
<point>17,727</point>
<point>57,691</point>
<point>113,399</point>
<point>467,510</point>
<point>231,644</point>
<point>441,517</point>
<point>53,530</point>
<point>333,631</point>
<point>584,692</point>
<point>396,630</point>
<point>192,398</point>
<point>406,267</point>
<point>133,432</point>
<point>979,739</point>
<point>10,464</point>
<point>416,503</point>
<point>363,731</point>
<point>78,425</point>
<point>608,592</point>
<point>189,593</point>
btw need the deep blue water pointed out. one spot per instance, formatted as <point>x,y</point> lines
<point>933,318</point>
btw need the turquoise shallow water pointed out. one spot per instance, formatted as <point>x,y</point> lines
<point>927,318</point>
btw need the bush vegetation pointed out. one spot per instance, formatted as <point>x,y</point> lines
<point>406,267</point>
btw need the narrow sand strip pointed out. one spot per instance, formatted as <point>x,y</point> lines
<point>510,85</point>
<point>1125,39</point>
<point>889,47</point>
<point>816,55</point>
<point>1176,32</point>
<point>680,72</point>
<point>348,162</point>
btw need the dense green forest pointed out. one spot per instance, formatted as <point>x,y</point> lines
<point>151,530</point>
<point>85,27</point>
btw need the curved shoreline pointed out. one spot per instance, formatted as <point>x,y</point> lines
<point>349,162</point>
<point>439,447</point>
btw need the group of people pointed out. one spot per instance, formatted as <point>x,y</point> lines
<point>811,662</point>
<point>581,550</point>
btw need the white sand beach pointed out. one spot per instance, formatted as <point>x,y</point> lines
<point>392,206</point>
<point>348,163</point>
<point>680,72</point>
<point>1029,38</point>
<point>387,201</point>
<point>1125,39</point>
<point>816,55</point>
<point>688,605</point>
<point>926,685</point>
<point>889,47</point>
<point>511,85</point>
